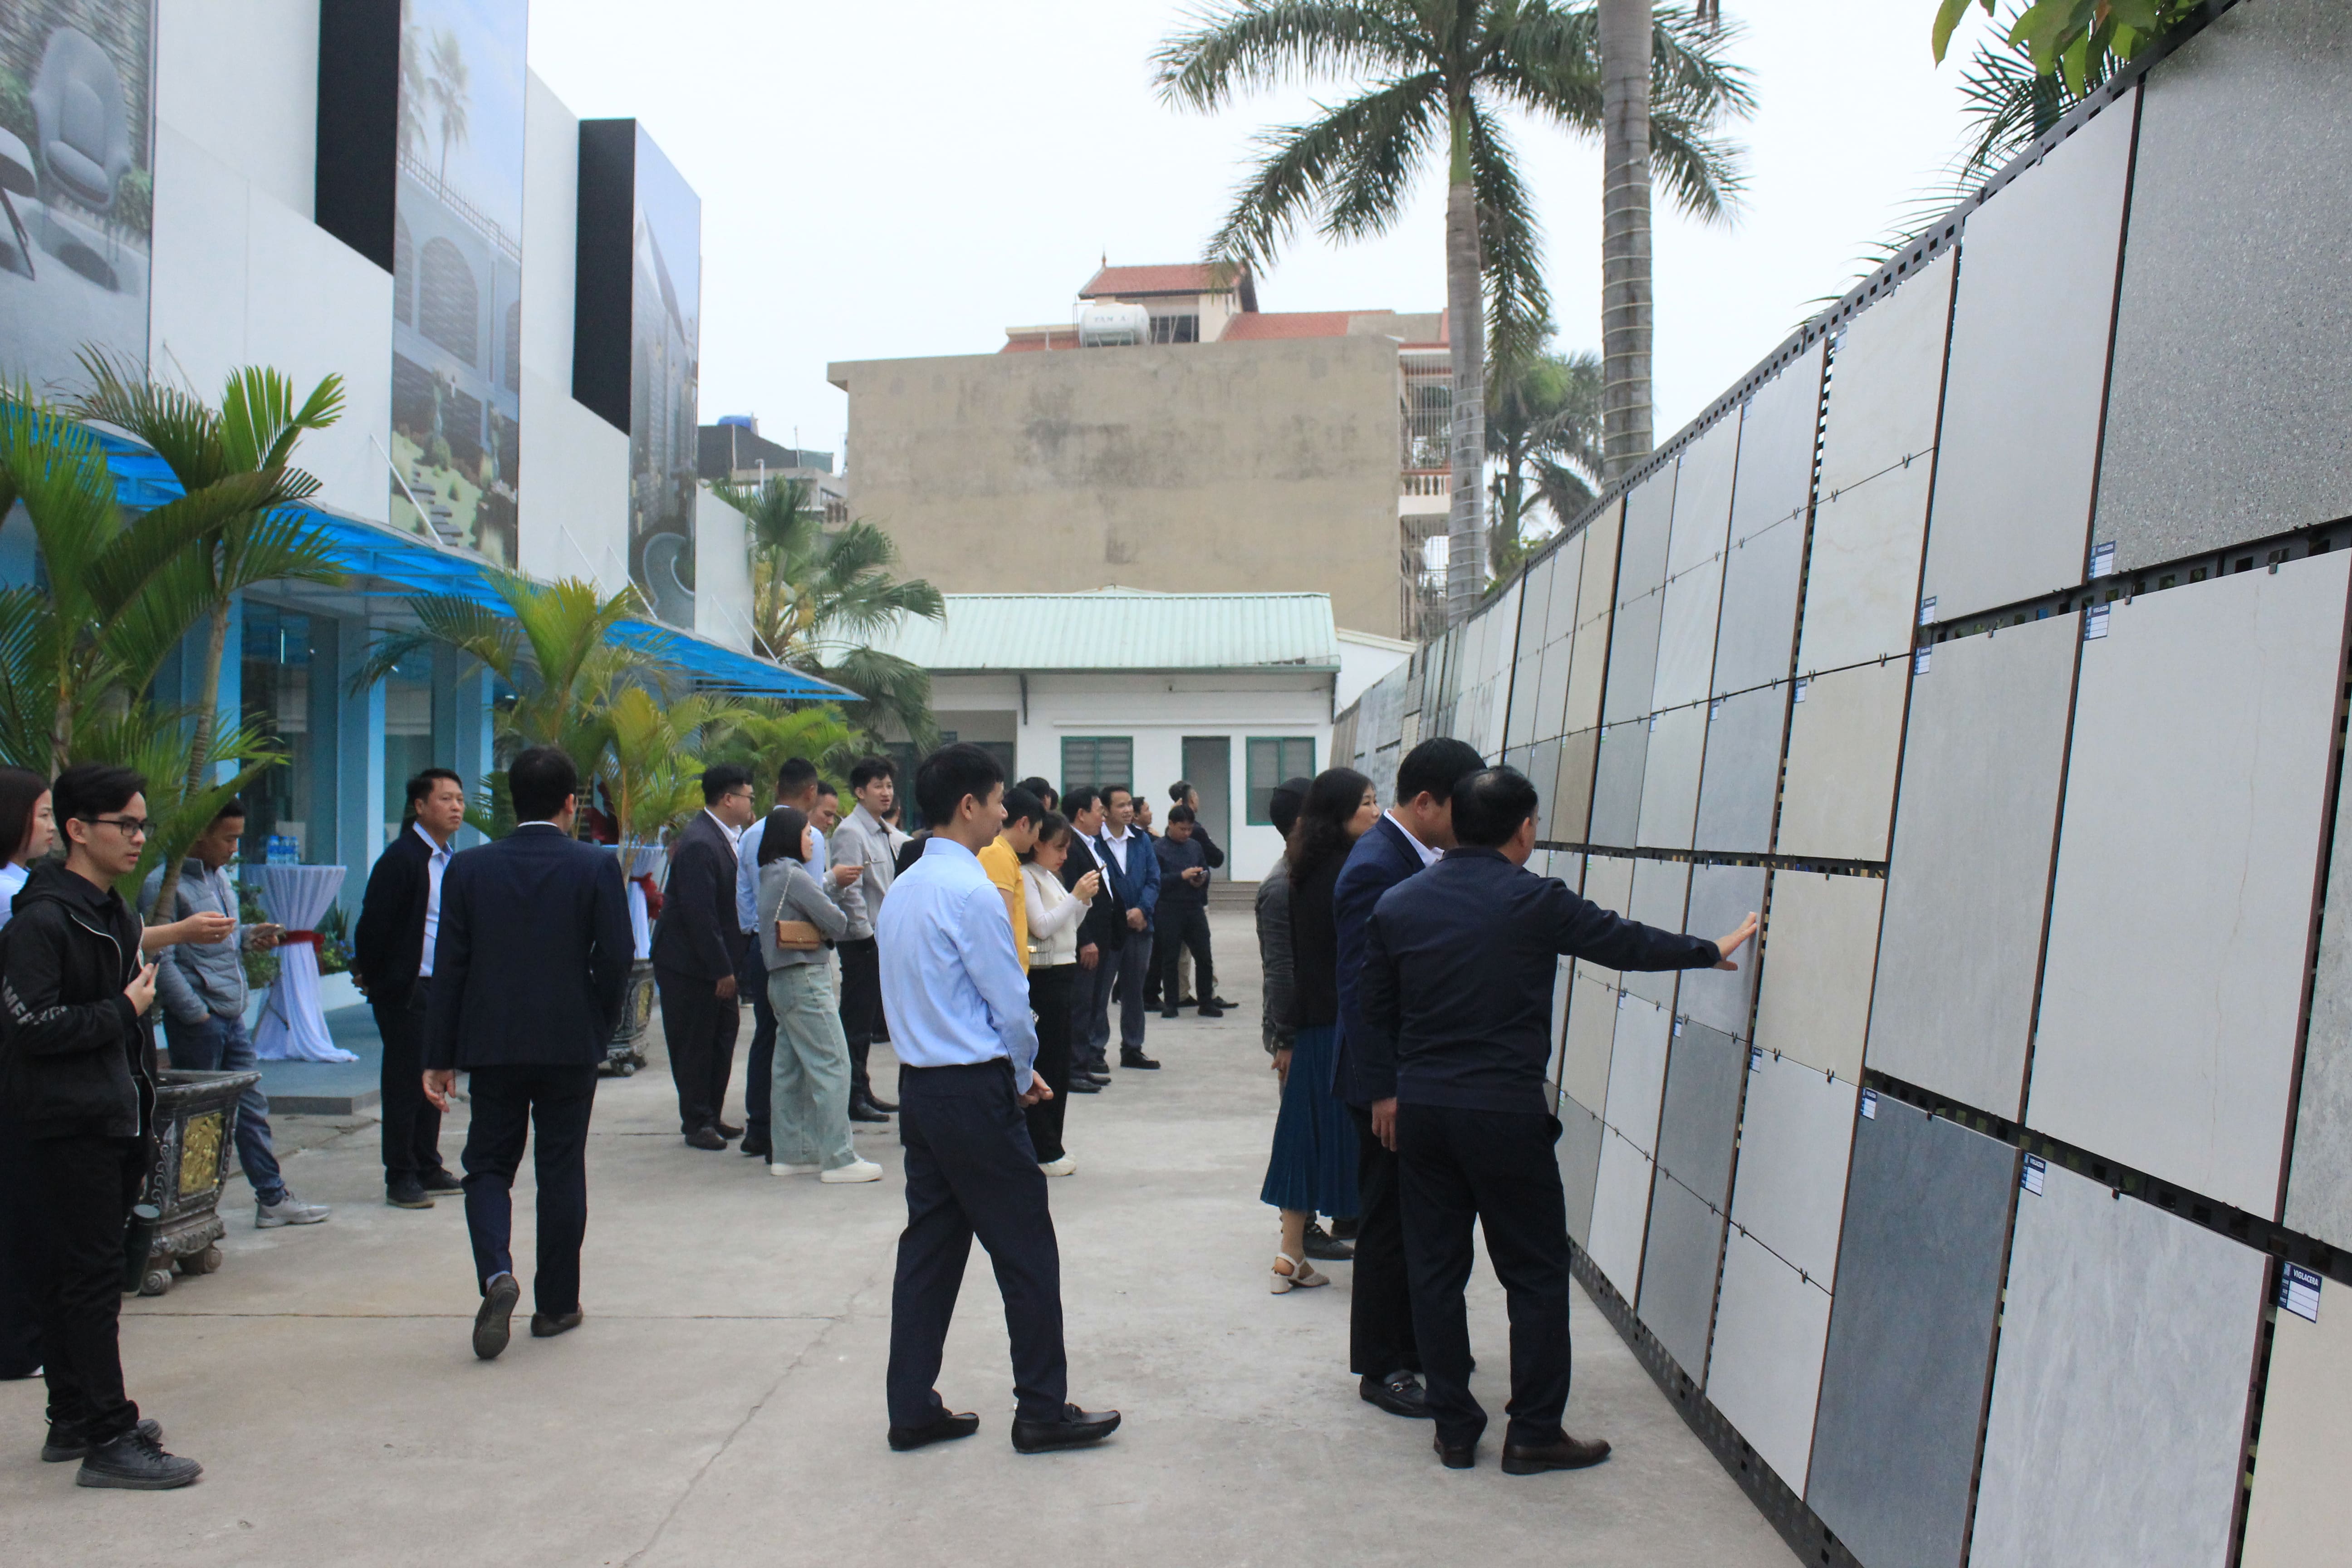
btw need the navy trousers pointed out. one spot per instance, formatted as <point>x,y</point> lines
<point>972,1171</point>
<point>550,1106</point>
<point>760,1066</point>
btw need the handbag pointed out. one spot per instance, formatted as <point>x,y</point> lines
<point>798,936</point>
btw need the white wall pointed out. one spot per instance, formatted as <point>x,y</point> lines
<point>1364,658</point>
<point>722,573</point>
<point>240,78</point>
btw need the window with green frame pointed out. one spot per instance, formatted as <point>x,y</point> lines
<point>1097,760</point>
<point>1272,759</point>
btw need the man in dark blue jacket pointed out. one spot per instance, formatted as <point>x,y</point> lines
<point>1408,837</point>
<point>1130,868</point>
<point>1457,992</point>
<point>528,978</point>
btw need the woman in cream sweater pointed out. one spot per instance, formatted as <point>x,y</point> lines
<point>1054,915</point>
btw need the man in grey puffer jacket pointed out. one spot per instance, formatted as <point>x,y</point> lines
<point>202,988</point>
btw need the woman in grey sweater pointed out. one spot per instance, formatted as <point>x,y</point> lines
<point>809,1104</point>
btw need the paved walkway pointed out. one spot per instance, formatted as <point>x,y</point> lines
<point>723,1405</point>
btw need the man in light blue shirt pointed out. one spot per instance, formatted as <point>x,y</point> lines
<point>966,1046</point>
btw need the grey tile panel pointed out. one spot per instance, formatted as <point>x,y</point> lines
<point>1580,1166</point>
<point>2119,1390</point>
<point>1588,667</point>
<point>2320,1178</point>
<point>1649,525</point>
<point>1755,630</point>
<point>1572,789</point>
<point>1543,763</point>
<point>1846,742</point>
<point>1679,1272</point>
<point>1633,659</point>
<point>2197,779</point>
<point>1820,946</point>
<point>1795,1132</point>
<point>1765,563</point>
<point>1596,588</point>
<point>1702,497</point>
<point>1520,726</point>
<point>1745,735</point>
<point>1887,379</point>
<point>1590,1037</point>
<point>1551,690</point>
<point>1617,785</point>
<point>1637,1071</point>
<point>1621,1212</point>
<point>1720,897</point>
<point>1670,779</point>
<point>1967,883</point>
<point>2018,455</point>
<point>1687,633</point>
<point>1661,890</point>
<point>1706,1070</point>
<point>1559,613</point>
<point>1911,1335</point>
<point>1862,581</point>
<point>1764,1369</point>
<point>2230,409</point>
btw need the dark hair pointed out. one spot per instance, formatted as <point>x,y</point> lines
<point>1433,768</point>
<point>865,770</point>
<point>1079,799</point>
<point>1178,791</point>
<point>1283,802</point>
<point>420,785</point>
<point>20,791</point>
<point>230,807</point>
<point>1490,804</point>
<point>795,776</point>
<point>1047,796</point>
<point>1177,814</point>
<point>1050,828</point>
<point>722,780</point>
<point>1109,790</point>
<point>540,781</point>
<point>781,834</point>
<point>86,789</point>
<point>1320,834</point>
<point>1020,805</point>
<point>824,787</point>
<point>950,774</point>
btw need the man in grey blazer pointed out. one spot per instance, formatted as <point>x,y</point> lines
<point>863,840</point>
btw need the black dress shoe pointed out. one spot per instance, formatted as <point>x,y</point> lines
<point>1398,1394</point>
<point>1568,1454</point>
<point>1085,1085</point>
<point>865,1110</point>
<point>885,1106</point>
<point>1188,1002</point>
<point>945,1428</point>
<point>1346,1229</point>
<point>1099,1075</point>
<point>1168,1013</point>
<point>705,1138</point>
<point>494,1324</point>
<point>1460,1458</point>
<point>729,1134</point>
<point>757,1146</point>
<point>1137,1059</point>
<point>1211,1010</point>
<point>441,1180</point>
<point>1219,1002</point>
<point>1076,1429</point>
<point>544,1327</point>
<point>407,1192</point>
<point>1320,1245</point>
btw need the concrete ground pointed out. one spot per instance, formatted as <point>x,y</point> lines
<point>723,1403</point>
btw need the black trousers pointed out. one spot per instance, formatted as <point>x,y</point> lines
<point>550,1106</point>
<point>861,1009</point>
<point>1050,994</point>
<point>972,1171</point>
<point>24,1259</point>
<point>1494,1169</point>
<point>700,1026</point>
<point>760,1066</point>
<point>81,1195</point>
<point>1176,929</point>
<point>412,1128</point>
<point>1380,1311</point>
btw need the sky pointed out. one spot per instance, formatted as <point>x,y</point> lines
<point>894,181</point>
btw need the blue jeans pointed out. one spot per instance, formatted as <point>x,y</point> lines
<point>221,1044</point>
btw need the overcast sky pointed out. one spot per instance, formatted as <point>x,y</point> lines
<point>909,179</point>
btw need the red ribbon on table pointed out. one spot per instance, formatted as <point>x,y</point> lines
<point>653,895</point>
<point>309,939</point>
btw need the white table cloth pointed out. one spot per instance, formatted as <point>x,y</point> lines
<point>293,1025</point>
<point>641,867</point>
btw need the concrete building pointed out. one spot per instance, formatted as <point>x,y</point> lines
<point>1174,438</point>
<point>1234,692</point>
<point>734,450</point>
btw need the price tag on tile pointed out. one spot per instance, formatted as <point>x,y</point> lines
<point>1927,611</point>
<point>2035,1166</point>
<point>1919,661</point>
<point>1679,1029</point>
<point>1870,1103</point>
<point>2095,625</point>
<point>2299,1292</point>
<point>1755,1058</point>
<point>1801,688</point>
<point>2103,559</point>
<point>1713,709</point>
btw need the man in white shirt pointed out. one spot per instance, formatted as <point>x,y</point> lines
<point>1130,868</point>
<point>968,1049</point>
<point>392,955</point>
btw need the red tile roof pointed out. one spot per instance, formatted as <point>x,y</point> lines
<point>1288,324</point>
<point>1124,282</point>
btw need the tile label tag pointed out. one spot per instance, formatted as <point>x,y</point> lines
<point>2103,559</point>
<point>1919,661</point>
<point>2095,625</point>
<point>1927,611</point>
<point>1870,1103</point>
<point>1801,688</point>
<point>2031,1180</point>
<point>2299,1292</point>
<point>1755,1058</point>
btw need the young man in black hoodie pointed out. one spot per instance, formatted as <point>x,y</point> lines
<point>73,1077</point>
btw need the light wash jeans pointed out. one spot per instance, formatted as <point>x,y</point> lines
<point>808,1104</point>
<point>221,1044</point>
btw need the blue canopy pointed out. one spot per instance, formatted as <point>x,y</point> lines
<point>384,561</point>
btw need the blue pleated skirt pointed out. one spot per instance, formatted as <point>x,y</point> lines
<point>1313,1167</point>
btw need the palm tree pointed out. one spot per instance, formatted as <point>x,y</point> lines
<point>1545,435</point>
<point>2046,56</point>
<point>452,90</point>
<point>819,598</point>
<point>1437,74</point>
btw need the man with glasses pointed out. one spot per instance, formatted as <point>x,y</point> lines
<point>698,953</point>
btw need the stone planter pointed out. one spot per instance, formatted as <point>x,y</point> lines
<point>196,1124</point>
<point>625,1053</point>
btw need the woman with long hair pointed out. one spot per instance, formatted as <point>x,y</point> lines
<point>25,827</point>
<point>808,1115</point>
<point>1313,1166</point>
<point>1054,913</point>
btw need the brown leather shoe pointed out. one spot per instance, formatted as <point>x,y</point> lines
<point>1568,1454</point>
<point>544,1327</point>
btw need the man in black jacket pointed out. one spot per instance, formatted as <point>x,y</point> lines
<point>392,954</point>
<point>528,974</point>
<point>1183,923</point>
<point>1098,936</point>
<point>74,1083</point>
<point>1459,964</point>
<point>698,948</point>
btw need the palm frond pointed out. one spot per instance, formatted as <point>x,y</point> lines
<point>1309,173</point>
<point>176,423</point>
<point>260,422</point>
<point>1256,44</point>
<point>1518,304</point>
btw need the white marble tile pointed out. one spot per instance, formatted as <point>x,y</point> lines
<point>1862,581</point>
<point>1637,1071</point>
<point>1649,525</point>
<point>1620,1213</point>
<point>1887,379</point>
<point>1632,659</point>
<point>1670,779</point>
<point>1686,633</point>
<point>1765,1371</point>
<point>1702,497</point>
<point>1789,1188</point>
<point>1661,892</point>
<point>1846,742</point>
<point>1764,565</point>
<point>1820,955</point>
<point>1591,1033</point>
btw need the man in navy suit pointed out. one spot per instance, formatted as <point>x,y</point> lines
<point>698,950</point>
<point>1410,836</point>
<point>1132,875</point>
<point>528,974</point>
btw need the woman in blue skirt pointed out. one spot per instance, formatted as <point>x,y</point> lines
<point>1314,1164</point>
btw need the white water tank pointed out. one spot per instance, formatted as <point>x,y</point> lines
<point>1112,324</point>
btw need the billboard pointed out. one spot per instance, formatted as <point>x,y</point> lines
<point>77,188</point>
<point>664,335</point>
<point>456,336</point>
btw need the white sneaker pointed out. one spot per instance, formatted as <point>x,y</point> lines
<point>1065,1166</point>
<point>855,1171</point>
<point>776,1170</point>
<point>288,1210</point>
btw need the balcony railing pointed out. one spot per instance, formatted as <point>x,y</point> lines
<point>1427,482</point>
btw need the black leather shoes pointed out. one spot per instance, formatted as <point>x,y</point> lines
<point>1085,1085</point>
<point>494,1324</point>
<point>706,1138</point>
<point>865,1110</point>
<point>544,1327</point>
<point>443,1181</point>
<point>1137,1059</point>
<point>1399,1392</point>
<point>407,1192</point>
<point>729,1134</point>
<point>1211,1010</point>
<point>1320,1245</point>
<point>1076,1429</point>
<point>1099,1077</point>
<point>947,1427</point>
<point>756,1147</point>
<point>1170,1013</point>
<point>1568,1454</point>
<point>1460,1458</point>
<point>885,1106</point>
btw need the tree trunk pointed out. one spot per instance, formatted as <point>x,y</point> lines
<point>1625,41</point>
<point>1504,532</point>
<point>200,748</point>
<point>1466,531</point>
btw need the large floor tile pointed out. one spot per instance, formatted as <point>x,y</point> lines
<point>1609,882</point>
<point>1846,742</point>
<point>1764,1372</point>
<point>1542,770</point>
<point>1590,1036</point>
<point>1580,1166</point>
<point>1551,690</point>
<point>1632,659</point>
<point>1968,880</point>
<point>2120,1384</point>
<point>1637,1071</point>
<point>1705,1072</point>
<point>1571,798</point>
<point>1649,528</point>
<point>1670,779</point>
<point>1741,781</point>
<point>1679,1266</point>
<point>1702,497</point>
<point>1764,565</point>
<point>1911,1334</point>
<point>1820,955</point>
<point>2320,1178</point>
<point>1862,581</point>
<point>1587,668</point>
<point>1796,1131</point>
<point>1686,633</point>
<point>1621,1212</point>
<point>1660,896</point>
<point>2198,775</point>
<point>1720,897</point>
<point>1617,785</point>
<point>1887,379</point>
<point>2296,1513</point>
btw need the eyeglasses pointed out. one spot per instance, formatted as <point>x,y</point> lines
<point>132,826</point>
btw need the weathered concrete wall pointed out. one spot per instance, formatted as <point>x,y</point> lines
<point>1246,467</point>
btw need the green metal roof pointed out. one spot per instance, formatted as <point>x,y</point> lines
<point>1123,628</point>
